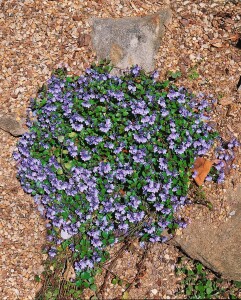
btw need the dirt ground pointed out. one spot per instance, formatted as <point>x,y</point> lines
<point>36,37</point>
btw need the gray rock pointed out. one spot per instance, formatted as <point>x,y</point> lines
<point>10,124</point>
<point>130,41</point>
<point>218,248</point>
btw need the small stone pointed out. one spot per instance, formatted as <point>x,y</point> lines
<point>192,56</point>
<point>154,291</point>
<point>217,43</point>
<point>84,40</point>
<point>178,231</point>
<point>225,101</point>
<point>77,17</point>
<point>11,125</point>
<point>45,256</point>
<point>39,270</point>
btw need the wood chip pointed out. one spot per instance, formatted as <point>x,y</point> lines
<point>84,40</point>
<point>202,167</point>
<point>69,272</point>
<point>225,101</point>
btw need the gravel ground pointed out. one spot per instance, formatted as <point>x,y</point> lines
<point>39,36</point>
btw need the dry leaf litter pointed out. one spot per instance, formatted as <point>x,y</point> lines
<point>39,36</point>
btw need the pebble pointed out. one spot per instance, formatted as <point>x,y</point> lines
<point>154,291</point>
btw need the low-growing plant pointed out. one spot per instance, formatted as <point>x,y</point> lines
<point>108,158</point>
<point>174,75</point>
<point>193,73</point>
<point>200,283</point>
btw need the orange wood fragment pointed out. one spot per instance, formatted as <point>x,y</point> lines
<point>202,167</point>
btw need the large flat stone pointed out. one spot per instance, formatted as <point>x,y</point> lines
<point>217,247</point>
<point>130,41</point>
<point>10,124</point>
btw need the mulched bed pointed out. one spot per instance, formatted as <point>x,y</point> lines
<point>202,42</point>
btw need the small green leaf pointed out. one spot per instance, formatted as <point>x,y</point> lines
<point>93,287</point>
<point>79,283</point>
<point>91,280</point>
<point>199,267</point>
<point>209,290</point>
<point>59,171</point>
<point>61,138</point>
<point>125,295</point>
<point>114,281</point>
<point>86,284</point>
<point>68,165</point>
<point>237,284</point>
<point>72,134</point>
<point>85,275</point>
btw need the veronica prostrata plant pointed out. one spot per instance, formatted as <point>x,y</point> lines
<point>109,157</point>
<point>200,283</point>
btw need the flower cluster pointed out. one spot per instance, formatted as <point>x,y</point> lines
<point>108,157</point>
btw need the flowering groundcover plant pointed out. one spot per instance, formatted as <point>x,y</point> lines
<point>108,157</point>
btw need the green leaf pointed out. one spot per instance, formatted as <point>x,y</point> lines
<point>200,288</point>
<point>86,284</point>
<point>61,138</point>
<point>85,275</point>
<point>72,134</point>
<point>189,290</point>
<point>68,165</point>
<point>125,295</point>
<point>199,267</point>
<point>79,283</point>
<point>59,171</point>
<point>209,290</point>
<point>237,284</point>
<point>91,280</point>
<point>114,281</point>
<point>93,287</point>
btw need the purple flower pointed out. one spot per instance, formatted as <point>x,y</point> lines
<point>85,156</point>
<point>77,127</point>
<point>162,163</point>
<point>173,136</point>
<point>103,168</point>
<point>105,127</point>
<point>109,145</point>
<point>164,112</point>
<point>135,70</point>
<point>155,75</point>
<point>151,187</point>
<point>142,138</point>
<point>173,94</point>
<point>139,108</point>
<point>194,175</point>
<point>93,140</point>
<point>149,119</point>
<point>158,206</point>
<point>155,239</point>
<point>52,252</point>
<point>221,178</point>
<point>208,178</point>
<point>73,150</point>
<point>131,88</point>
<point>138,155</point>
<point>134,202</point>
